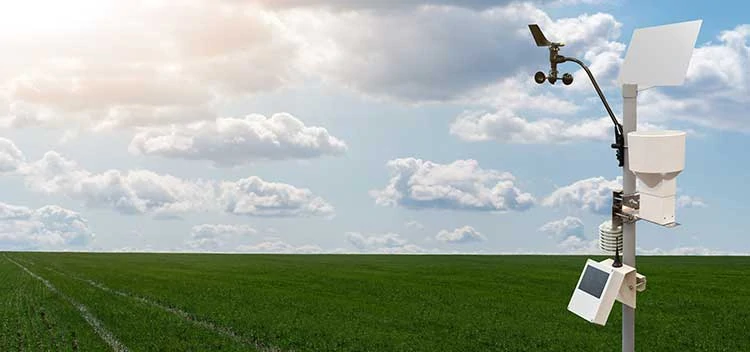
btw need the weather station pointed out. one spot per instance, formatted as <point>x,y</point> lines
<point>656,56</point>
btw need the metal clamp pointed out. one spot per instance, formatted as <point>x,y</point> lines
<point>640,283</point>
<point>619,201</point>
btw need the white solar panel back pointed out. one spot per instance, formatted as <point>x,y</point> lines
<point>659,56</point>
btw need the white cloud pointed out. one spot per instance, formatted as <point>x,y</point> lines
<point>279,246</point>
<point>686,201</point>
<point>11,157</point>
<point>439,64</point>
<point>563,229</point>
<point>163,62</point>
<point>413,224</point>
<point>220,230</point>
<point>578,245</point>
<point>232,141</point>
<point>164,196</point>
<point>253,196</point>
<point>214,237</point>
<point>460,185</point>
<point>388,243</point>
<point>685,251</point>
<point>464,234</point>
<point>48,227</point>
<point>592,194</point>
<point>505,126</point>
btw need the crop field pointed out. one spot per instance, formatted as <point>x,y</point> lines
<point>206,302</point>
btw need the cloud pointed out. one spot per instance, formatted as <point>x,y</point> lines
<point>232,141</point>
<point>167,63</point>
<point>219,230</point>
<point>517,97</point>
<point>413,224</point>
<point>563,229</point>
<point>504,126</point>
<point>48,227</point>
<point>167,196</point>
<point>591,194</point>
<point>163,62</point>
<point>388,243</point>
<point>578,245</point>
<point>686,201</point>
<point>279,246</point>
<point>255,197</point>
<point>460,185</point>
<point>688,250</point>
<point>440,64</point>
<point>213,237</point>
<point>464,234</point>
<point>378,5</point>
<point>11,158</point>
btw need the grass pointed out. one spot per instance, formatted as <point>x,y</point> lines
<point>201,302</point>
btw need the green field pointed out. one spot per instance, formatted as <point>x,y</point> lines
<point>201,302</point>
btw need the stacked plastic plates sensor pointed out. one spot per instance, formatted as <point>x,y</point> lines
<point>610,238</point>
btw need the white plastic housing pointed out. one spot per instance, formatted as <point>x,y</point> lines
<point>610,237</point>
<point>659,56</point>
<point>596,309</point>
<point>656,158</point>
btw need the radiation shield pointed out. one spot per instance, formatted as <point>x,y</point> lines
<point>660,55</point>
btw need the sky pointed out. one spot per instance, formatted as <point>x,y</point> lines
<point>331,126</point>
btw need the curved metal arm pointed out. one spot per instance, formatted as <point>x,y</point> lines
<point>598,90</point>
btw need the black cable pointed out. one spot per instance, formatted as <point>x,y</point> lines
<point>598,90</point>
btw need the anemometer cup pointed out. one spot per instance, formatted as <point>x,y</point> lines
<point>540,77</point>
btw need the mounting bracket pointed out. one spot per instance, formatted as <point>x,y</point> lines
<point>620,205</point>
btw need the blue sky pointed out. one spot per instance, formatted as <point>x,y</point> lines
<point>329,126</point>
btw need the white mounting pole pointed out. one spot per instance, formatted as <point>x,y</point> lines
<point>629,122</point>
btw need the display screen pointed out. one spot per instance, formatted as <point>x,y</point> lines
<point>593,281</point>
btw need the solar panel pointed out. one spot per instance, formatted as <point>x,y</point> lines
<point>593,281</point>
<point>660,55</point>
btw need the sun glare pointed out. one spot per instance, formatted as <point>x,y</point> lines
<point>38,16</point>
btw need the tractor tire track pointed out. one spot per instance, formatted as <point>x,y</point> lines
<point>222,330</point>
<point>95,323</point>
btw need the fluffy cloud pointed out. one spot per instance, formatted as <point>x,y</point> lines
<point>163,62</point>
<point>147,192</point>
<point>48,227</point>
<point>255,197</point>
<point>439,63</point>
<point>460,185</point>
<point>686,201</point>
<point>579,245</point>
<point>11,157</point>
<point>279,246</point>
<point>214,237</point>
<point>504,126</point>
<point>592,194</point>
<point>389,243</point>
<point>232,141</point>
<point>464,234</point>
<point>564,228</point>
<point>685,251</point>
<point>413,224</point>
<point>220,230</point>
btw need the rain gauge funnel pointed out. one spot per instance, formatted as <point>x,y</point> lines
<point>656,158</point>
